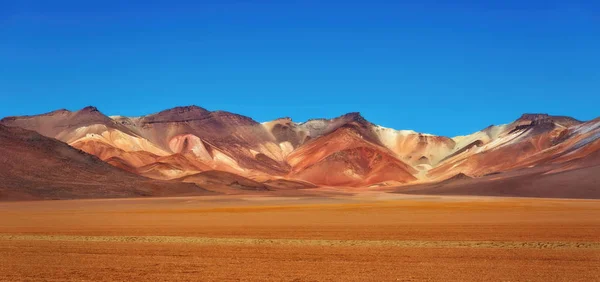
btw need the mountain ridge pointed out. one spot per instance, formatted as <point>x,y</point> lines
<point>358,115</point>
<point>187,140</point>
<point>35,167</point>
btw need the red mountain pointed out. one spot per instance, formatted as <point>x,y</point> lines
<point>184,143</point>
<point>33,166</point>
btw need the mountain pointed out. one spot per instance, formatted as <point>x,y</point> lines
<point>193,144</point>
<point>34,167</point>
<point>345,157</point>
<point>532,140</point>
<point>581,182</point>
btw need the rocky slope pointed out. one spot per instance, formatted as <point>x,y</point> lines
<point>185,143</point>
<point>34,167</point>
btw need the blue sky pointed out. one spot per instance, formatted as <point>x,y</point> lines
<point>432,66</point>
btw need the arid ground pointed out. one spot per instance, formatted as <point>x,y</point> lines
<point>374,237</point>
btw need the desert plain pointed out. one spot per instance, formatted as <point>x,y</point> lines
<point>361,237</point>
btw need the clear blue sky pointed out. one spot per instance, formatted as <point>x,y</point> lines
<point>446,69</point>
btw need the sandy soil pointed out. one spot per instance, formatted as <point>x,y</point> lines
<point>367,238</point>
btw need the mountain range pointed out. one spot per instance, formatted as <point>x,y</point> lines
<point>226,152</point>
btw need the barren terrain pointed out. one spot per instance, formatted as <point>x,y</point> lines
<point>371,237</point>
<point>228,152</point>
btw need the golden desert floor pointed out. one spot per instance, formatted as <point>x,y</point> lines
<point>371,237</point>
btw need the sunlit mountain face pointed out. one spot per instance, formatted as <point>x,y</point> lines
<point>192,144</point>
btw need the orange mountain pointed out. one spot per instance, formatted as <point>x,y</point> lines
<point>33,167</point>
<point>192,144</point>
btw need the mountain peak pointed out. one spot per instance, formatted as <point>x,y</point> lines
<point>534,116</point>
<point>354,116</point>
<point>542,118</point>
<point>182,110</point>
<point>89,109</point>
<point>177,114</point>
<point>185,109</point>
